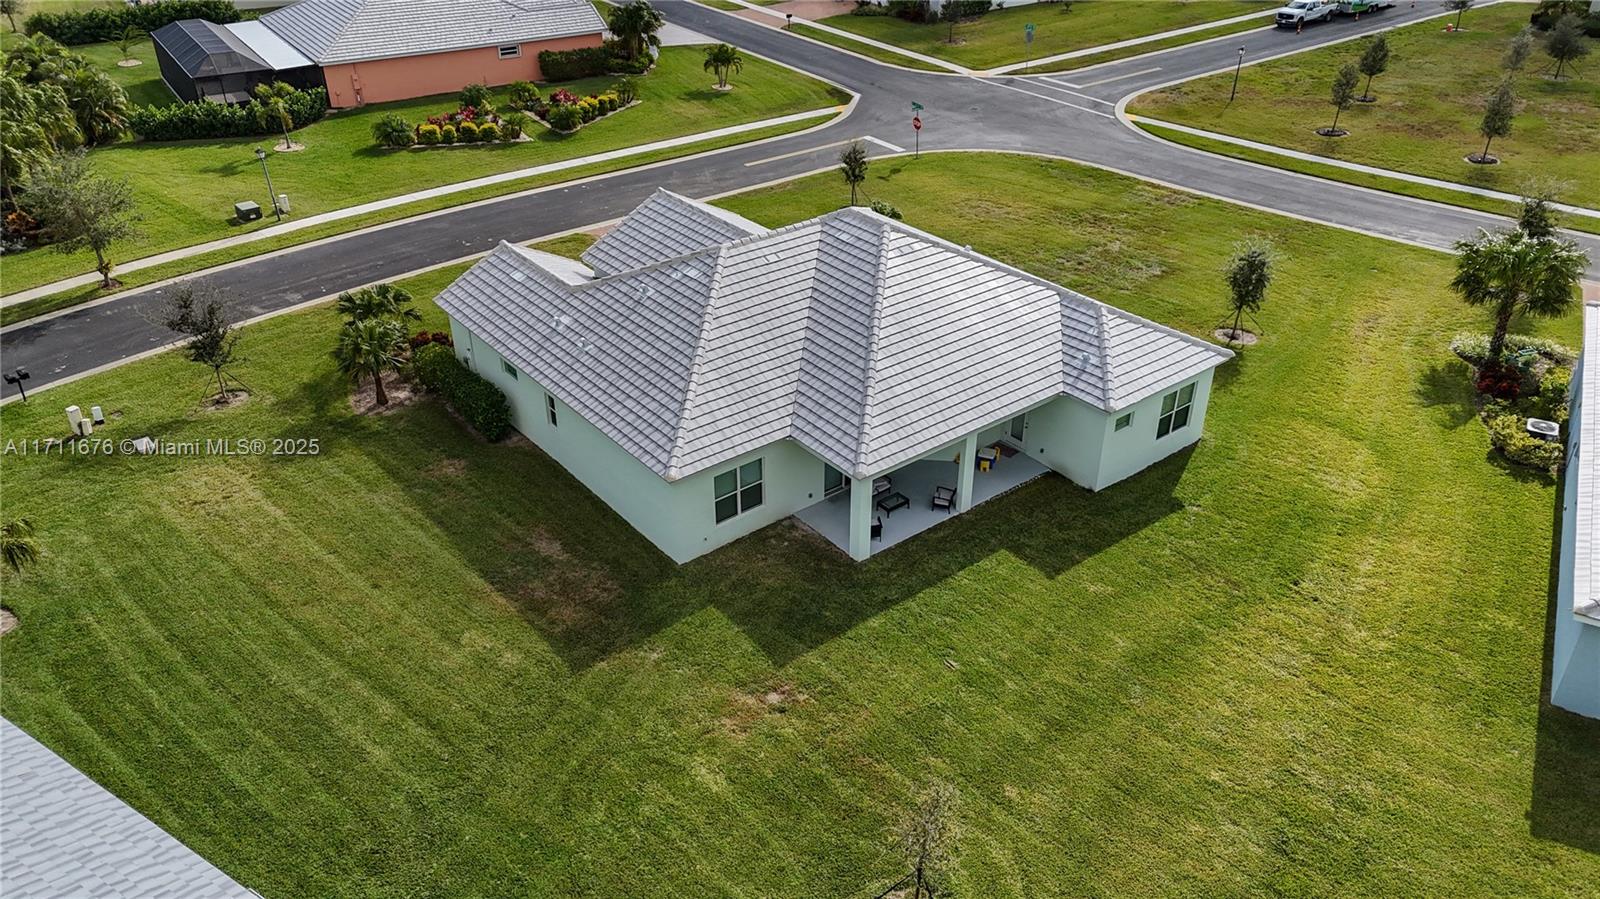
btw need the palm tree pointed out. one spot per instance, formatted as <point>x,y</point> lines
<point>378,301</point>
<point>125,42</point>
<point>36,58</point>
<point>98,103</point>
<point>636,24</point>
<point>37,123</point>
<point>721,59</point>
<point>273,97</point>
<point>371,347</point>
<point>18,546</point>
<point>1516,274</point>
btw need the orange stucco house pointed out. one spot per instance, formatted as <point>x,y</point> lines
<point>374,51</point>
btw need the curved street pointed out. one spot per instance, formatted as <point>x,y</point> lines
<point>1071,115</point>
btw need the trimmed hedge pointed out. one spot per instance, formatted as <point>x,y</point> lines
<point>473,396</point>
<point>204,119</point>
<point>92,26</point>
<point>588,62</point>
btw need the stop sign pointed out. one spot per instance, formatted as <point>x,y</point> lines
<point>916,123</point>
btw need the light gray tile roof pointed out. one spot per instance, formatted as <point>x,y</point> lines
<point>865,340</point>
<point>61,834</point>
<point>664,226</point>
<point>1585,466</point>
<point>340,31</point>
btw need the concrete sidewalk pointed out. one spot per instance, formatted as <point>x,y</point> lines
<point>1130,42</point>
<point>290,227</point>
<point>1132,120</point>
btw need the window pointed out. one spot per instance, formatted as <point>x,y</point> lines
<point>509,369</point>
<point>738,490</point>
<point>550,409</point>
<point>511,51</point>
<point>1175,410</point>
<point>832,480</point>
<point>1124,421</point>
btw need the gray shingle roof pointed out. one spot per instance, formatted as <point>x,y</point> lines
<point>61,834</point>
<point>865,340</point>
<point>664,226</point>
<point>340,31</point>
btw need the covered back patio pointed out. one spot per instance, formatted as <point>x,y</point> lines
<point>901,503</point>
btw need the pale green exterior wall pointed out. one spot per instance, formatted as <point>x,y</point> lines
<point>679,517</point>
<point>1575,650</point>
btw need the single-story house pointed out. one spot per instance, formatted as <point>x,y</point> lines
<point>1575,665</point>
<point>706,376</point>
<point>374,51</point>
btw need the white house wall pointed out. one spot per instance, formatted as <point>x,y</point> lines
<point>679,517</point>
<point>1575,650</point>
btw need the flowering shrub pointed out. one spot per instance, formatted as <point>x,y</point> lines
<point>562,97</point>
<point>447,134</point>
<point>474,123</point>
<point>1503,382</point>
<point>566,117</point>
<point>428,134</point>
<point>467,132</point>
<point>566,111</point>
<point>488,131</point>
<point>1508,433</point>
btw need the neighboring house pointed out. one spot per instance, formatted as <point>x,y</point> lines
<point>1575,662</point>
<point>706,376</point>
<point>373,51</point>
<point>62,834</point>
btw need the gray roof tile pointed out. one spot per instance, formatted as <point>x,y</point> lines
<point>340,31</point>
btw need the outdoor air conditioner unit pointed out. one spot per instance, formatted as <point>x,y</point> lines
<point>1544,430</point>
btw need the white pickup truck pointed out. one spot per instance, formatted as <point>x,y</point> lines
<point>1304,12</point>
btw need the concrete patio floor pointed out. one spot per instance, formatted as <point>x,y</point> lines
<point>831,517</point>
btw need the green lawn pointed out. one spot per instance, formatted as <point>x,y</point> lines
<point>1303,659</point>
<point>996,38</point>
<point>186,191</point>
<point>1429,104</point>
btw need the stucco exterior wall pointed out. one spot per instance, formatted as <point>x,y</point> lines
<point>679,517</point>
<point>1575,651</point>
<point>405,77</point>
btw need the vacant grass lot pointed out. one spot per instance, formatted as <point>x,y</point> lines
<point>996,38</point>
<point>1304,659</point>
<point>1428,109</point>
<point>186,190</point>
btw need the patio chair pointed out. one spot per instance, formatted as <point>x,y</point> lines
<point>944,498</point>
<point>881,486</point>
<point>877,528</point>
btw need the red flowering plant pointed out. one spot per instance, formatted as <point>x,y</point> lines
<point>563,97</point>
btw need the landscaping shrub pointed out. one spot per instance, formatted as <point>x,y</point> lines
<point>488,131</point>
<point>622,64</point>
<point>523,94</point>
<point>885,209</point>
<point>1503,382</point>
<point>570,65</point>
<point>1508,433</point>
<point>447,134</point>
<point>474,397</point>
<point>467,132</point>
<point>393,131</point>
<point>476,96</point>
<point>91,26</point>
<point>428,134</point>
<point>627,91</point>
<point>566,117</point>
<point>912,10</point>
<point>513,124</point>
<point>1473,348</point>
<point>868,8</point>
<point>205,120</point>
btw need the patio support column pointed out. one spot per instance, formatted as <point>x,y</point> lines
<point>860,518</point>
<point>969,464</point>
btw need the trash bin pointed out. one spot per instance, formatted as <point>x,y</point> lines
<point>248,211</point>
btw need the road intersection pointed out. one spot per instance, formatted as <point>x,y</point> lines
<point>1074,115</point>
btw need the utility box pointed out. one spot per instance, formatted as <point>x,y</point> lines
<point>248,211</point>
<point>283,203</point>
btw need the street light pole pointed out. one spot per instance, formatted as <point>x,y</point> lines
<point>1231,95</point>
<point>262,155</point>
<point>17,377</point>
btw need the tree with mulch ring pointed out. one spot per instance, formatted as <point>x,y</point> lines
<point>1248,274</point>
<point>1342,96</point>
<point>1374,62</point>
<point>1496,121</point>
<point>199,312</point>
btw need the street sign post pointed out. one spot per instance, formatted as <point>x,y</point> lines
<point>1027,38</point>
<point>916,131</point>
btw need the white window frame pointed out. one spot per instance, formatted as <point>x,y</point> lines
<point>748,490</point>
<point>515,51</point>
<point>1177,410</point>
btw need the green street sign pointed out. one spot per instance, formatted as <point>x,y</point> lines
<point>1028,31</point>
<point>915,106</point>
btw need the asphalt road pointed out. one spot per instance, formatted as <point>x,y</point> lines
<point>1071,115</point>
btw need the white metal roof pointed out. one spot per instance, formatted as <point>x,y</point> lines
<point>664,226</point>
<point>341,31</point>
<point>272,50</point>
<point>867,341</point>
<point>62,834</point>
<point>1585,466</point>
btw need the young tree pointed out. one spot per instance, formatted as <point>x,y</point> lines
<point>1537,218</point>
<point>1343,94</point>
<point>376,302</point>
<point>18,545</point>
<point>853,165</point>
<point>1518,50</point>
<point>1514,274</point>
<point>80,209</point>
<point>273,108</point>
<point>927,838</point>
<point>1497,115</point>
<point>636,24</point>
<point>1248,274</point>
<point>1460,6</point>
<point>199,312</point>
<point>371,347</point>
<point>126,40</point>
<point>1565,43</point>
<point>950,14</point>
<point>11,9</point>
<point>722,59</point>
<point>1374,62</point>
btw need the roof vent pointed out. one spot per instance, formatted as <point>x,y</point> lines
<point>1085,359</point>
<point>560,321</point>
<point>518,277</point>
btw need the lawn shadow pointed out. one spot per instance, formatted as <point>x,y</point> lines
<point>593,586</point>
<point>1447,387</point>
<point>1225,374</point>
<point>1565,801</point>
